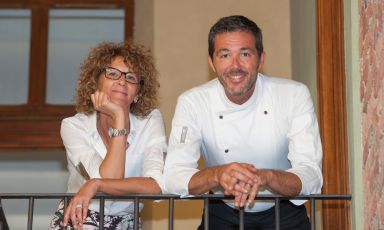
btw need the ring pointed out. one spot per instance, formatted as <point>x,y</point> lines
<point>79,206</point>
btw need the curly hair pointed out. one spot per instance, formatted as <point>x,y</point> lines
<point>136,57</point>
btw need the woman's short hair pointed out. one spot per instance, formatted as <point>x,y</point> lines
<point>136,57</point>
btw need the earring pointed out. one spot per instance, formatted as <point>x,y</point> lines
<point>135,100</point>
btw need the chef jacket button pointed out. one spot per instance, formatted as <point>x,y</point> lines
<point>221,116</point>
<point>226,151</point>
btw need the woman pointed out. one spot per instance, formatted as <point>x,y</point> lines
<point>117,135</point>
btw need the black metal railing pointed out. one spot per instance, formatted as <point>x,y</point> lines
<point>31,197</point>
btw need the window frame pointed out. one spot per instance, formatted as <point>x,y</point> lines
<point>36,124</point>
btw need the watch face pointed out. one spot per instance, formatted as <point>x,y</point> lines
<point>110,132</point>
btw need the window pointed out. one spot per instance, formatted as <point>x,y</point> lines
<point>43,43</point>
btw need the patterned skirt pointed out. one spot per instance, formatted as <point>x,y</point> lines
<point>92,220</point>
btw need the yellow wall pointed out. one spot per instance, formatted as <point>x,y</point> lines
<point>352,67</point>
<point>177,33</point>
<point>303,44</point>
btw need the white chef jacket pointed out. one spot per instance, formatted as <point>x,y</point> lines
<point>275,129</point>
<point>144,156</point>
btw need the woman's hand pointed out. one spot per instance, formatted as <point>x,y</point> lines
<point>103,104</point>
<point>78,207</point>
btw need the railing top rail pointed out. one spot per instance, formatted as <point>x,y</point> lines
<point>168,196</point>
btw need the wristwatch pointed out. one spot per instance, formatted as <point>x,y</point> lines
<point>117,132</point>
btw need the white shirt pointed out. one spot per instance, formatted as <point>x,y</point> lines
<point>144,156</point>
<point>275,129</point>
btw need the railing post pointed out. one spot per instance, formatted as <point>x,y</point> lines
<point>3,220</point>
<point>65,203</point>
<point>30,213</point>
<point>241,219</point>
<point>101,213</point>
<point>206,213</point>
<point>171,211</point>
<point>313,218</point>
<point>136,207</point>
<point>277,213</point>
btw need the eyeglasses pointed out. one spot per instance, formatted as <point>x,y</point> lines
<point>115,74</point>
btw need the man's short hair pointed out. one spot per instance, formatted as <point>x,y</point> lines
<point>232,24</point>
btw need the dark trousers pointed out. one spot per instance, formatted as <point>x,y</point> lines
<point>223,217</point>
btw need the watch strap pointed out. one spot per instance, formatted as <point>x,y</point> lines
<point>117,132</point>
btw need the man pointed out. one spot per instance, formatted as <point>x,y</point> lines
<point>257,134</point>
